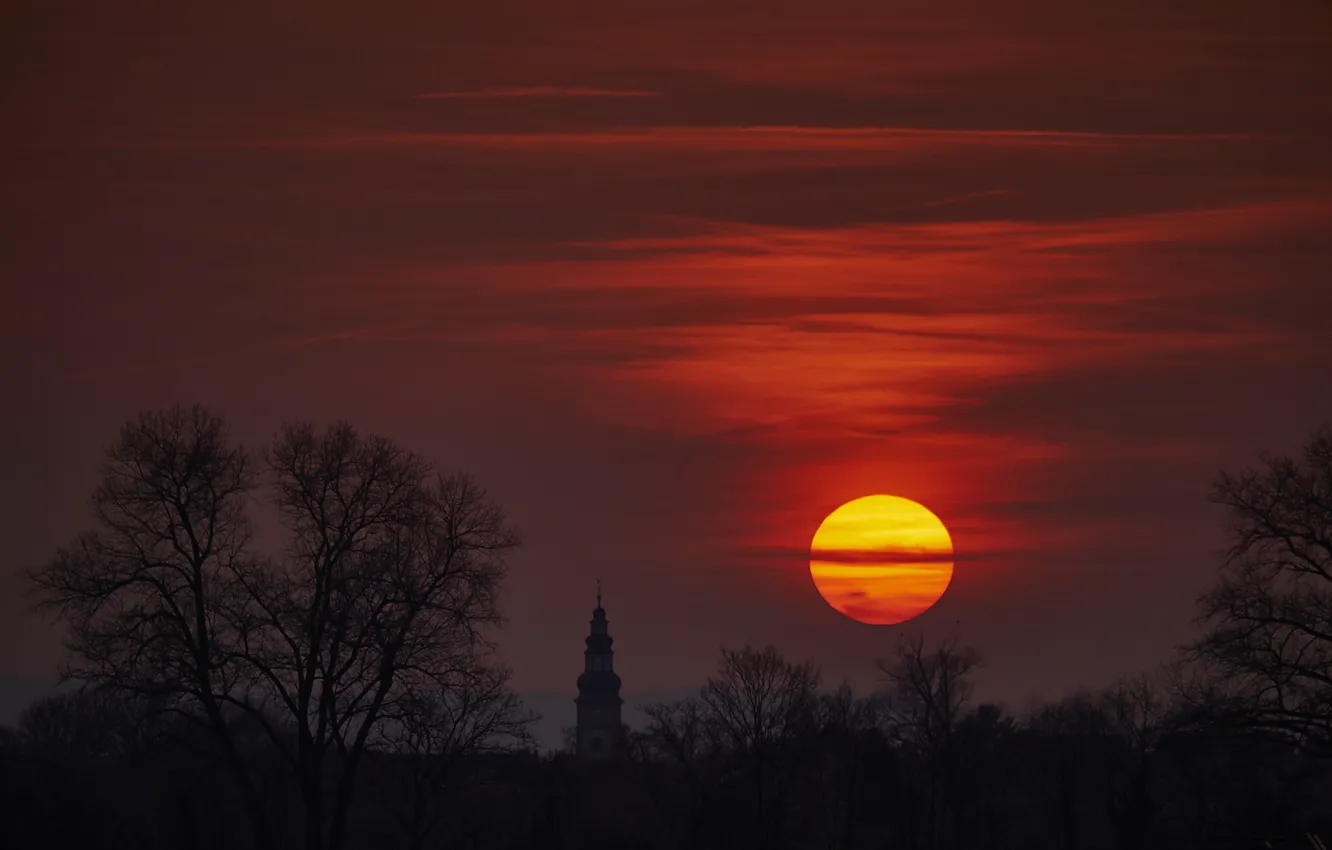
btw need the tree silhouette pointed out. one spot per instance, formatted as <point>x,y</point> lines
<point>1266,656</point>
<point>1139,715</point>
<point>384,590</point>
<point>848,729</point>
<point>682,763</point>
<point>741,738</point>
<point>78,725</point>
<point>433,732</point>
<point>141,593</point>
<point>763,707</point>
<point>926,694</point>
<point>1068,738</point>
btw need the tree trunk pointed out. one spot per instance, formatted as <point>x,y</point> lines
<point>254,809</point>
<point>342,801</point>
<point>240,771</point>
<point>312,799</point>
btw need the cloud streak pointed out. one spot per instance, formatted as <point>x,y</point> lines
<point>879,557</point>
<point>741,139</point>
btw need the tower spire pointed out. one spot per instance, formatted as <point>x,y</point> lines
<point>600,731</point>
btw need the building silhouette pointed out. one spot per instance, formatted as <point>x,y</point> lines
<point>599,731</point>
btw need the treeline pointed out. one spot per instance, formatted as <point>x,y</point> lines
<point>762,756</point>
<point>342,691</point>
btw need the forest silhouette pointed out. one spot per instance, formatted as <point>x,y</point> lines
<point>343,690</point>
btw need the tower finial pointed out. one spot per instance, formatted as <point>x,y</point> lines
<point>598,593</point>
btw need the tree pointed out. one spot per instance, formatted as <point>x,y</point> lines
<point>762,707</point>
<point>847,735</point>
<point>77,725</point>
<point>681,762</point>
<point>985,797</point>
<point>1140,715</point>
<point>434,732</point>
<point>926,696</point>
<point>1266,654</point>
<point>745,729</point>
<point>1067,737</point>
<point>140,592</point>
<point>927,690</point>
<point>385,589</point>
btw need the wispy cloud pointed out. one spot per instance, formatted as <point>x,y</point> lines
<point>880,328</point>
<point>742,139</point>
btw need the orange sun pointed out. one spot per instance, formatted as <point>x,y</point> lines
<point>881,559</point>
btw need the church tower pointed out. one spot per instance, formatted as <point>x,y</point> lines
<point>599,729</point>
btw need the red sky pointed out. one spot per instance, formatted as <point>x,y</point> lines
<point>677,279</point>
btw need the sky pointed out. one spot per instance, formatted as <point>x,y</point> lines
<point>677,279</point>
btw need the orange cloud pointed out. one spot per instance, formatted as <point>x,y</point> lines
<point>894,323</point>
<point>798,333</point>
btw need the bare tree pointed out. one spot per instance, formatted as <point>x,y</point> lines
<point>1266,655</point>
<point>76,725</point>
<point>385,589</point>
<point>140,592</point>
<point>743,730</point>
<point>1069,736</point>
<point>847,723</point>
<point>432,733</point>
<point>1139,713</point>
<point>383,594</point>
<point>682,762</point>
<point>926,694</point>
<point>927,690</point>
<point>762,707</point>
<point>1107,748</point>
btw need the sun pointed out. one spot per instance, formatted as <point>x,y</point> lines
<point>881,559</point>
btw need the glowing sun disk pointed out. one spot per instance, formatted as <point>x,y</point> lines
<point>881,559</point>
